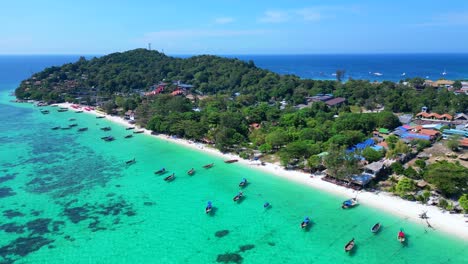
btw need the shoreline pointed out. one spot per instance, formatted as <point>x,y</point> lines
<point>452,224</point>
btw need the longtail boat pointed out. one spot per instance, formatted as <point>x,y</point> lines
<point>207,166</point>
<point>375,228</point>
<point>170,177</point>
<point>349,246</point>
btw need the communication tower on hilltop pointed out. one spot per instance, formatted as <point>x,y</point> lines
<point>149,46</point>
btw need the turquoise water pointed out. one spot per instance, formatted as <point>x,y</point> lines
<point>68,197</point>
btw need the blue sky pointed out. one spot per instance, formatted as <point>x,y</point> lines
<point>233,26</point>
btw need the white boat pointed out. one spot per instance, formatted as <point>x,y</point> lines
<point>444,73</point>
<point>378,74</point>
<point>403,74</point>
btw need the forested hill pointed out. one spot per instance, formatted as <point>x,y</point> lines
<point>135,71</point>
<point>139,69</point>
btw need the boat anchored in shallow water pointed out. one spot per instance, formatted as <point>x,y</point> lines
<point>349,203</point>
<point>170,177</point>
<point>130,162</point>
<point>349,246</point>
<point>208,207</point>
<point>161,171</point>
<point>238,197</point>
<point>191,171</point>
<point>401,236</point>
<point>243,182</point>
<point>305,222</point>
<point>375,228</point>
<point>207,166</point>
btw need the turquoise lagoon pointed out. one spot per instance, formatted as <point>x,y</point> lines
<point>68,197</point>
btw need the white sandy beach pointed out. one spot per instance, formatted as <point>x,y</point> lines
<point>453,224</point>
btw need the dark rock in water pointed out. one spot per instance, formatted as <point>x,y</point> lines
<point>246,247</point>
<point>272,244</point>
<point>35,213</point>
<point>12,213</point>
<point>23,246</point>
<point>118,185</point>
<point>6,191</point>
<point>148,203</point>
<point>94,225</point>
<point>12,228</point>
<point>130,213</point>
<point>229,257</point>
<point>110,195</point>
<point>39,226</point>
<point>7,177</point>
<point>56,225</point>
<point>221,233</point>
<point>76,214</point>
<point>69,238</point>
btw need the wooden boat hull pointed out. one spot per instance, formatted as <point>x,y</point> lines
<point>375,228</point>
<point>349,246</point>
<point>170,178</point>
<point>237,198</point>
<point>207,166</point>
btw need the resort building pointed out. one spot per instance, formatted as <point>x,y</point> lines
<point>434,116</point>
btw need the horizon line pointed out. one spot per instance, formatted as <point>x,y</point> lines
<point>241,54</point>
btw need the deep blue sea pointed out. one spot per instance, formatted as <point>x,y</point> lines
<point>373,67</point>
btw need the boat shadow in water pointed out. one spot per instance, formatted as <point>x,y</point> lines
<point>308,227</point>
<point>353,251</point>
<point>213,211</point>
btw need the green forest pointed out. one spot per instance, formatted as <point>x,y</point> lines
<point>239,107</point>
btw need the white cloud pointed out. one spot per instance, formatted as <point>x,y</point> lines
<point>308,14</point>
<point>274,17</point>
<point>224,20</point>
